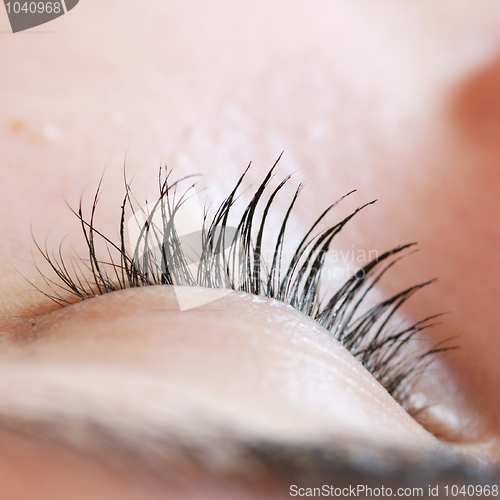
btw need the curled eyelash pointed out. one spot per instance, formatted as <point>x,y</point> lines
<point>233,258</point>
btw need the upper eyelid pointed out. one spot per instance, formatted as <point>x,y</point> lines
<point>369,336</point>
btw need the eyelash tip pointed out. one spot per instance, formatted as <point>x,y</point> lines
<point>297,282</point>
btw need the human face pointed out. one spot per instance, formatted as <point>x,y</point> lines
<point>397,101</point>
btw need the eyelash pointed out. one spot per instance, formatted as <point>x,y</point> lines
<point>369,336</point>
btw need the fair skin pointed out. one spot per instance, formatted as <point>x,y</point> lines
<point>397,101</point>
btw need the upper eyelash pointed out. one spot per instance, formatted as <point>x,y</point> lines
<point>369,336</point>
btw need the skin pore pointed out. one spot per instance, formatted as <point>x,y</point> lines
<point>397,101</point>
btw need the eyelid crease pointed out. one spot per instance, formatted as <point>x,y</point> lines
<point>214,448</point>
<point>370,336</point>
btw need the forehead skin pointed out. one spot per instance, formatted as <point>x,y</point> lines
<point>207,87</point>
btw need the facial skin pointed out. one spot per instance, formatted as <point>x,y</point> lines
<point>397,101</point>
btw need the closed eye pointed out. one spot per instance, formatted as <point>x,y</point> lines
<point>220,256</point>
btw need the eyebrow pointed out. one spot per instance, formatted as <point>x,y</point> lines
<point>181,443</point>
<point>168,458</point>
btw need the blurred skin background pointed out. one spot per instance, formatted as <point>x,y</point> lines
<point>398,100</point>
